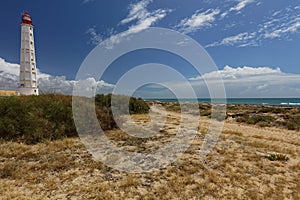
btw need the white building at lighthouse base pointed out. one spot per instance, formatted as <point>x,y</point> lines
<point>28,91</point>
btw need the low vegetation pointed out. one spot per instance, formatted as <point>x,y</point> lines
<point>33,119</point>
<point>267,116</point>
<point>204,109</point>
<point>261,120</point>
<point>238,167</point>
<point>292,122</point>
<point>263,116</point>
<point>277,157</point>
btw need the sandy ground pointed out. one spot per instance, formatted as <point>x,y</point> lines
<point>236,168</point>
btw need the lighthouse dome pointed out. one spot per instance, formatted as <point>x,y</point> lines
<point>26,19</point>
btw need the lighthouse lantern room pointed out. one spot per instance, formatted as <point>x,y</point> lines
<point>28,72</point>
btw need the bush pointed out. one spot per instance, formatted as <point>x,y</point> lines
<point>33,119</point>
<point>277,157</point>
<point>136,106</point>
<point>293,122</point>
<point>272,109</point>
<point>262,120</point>
<point>174,107</point>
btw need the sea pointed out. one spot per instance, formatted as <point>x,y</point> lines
<point>252,101</point>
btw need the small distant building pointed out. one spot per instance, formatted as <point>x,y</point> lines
<point>28,73</point>
<point>9,93</point>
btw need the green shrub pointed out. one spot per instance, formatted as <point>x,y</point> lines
<point>277,157</point>
<point>33,119</point>
<point>272,109</point>
<point>262,120</point>
<point>264,124</point>
<point>205,109</point>
<point>241,119</point>
<point>136,106</point>
<point>173,107</point>
<point>293,122</point>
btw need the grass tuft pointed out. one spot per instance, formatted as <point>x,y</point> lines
<point>277,157</point>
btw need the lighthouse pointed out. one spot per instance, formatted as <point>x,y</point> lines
<point>28,72</point>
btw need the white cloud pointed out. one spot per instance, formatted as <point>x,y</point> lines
<point>95,37</point>
<point>144,19</point>
<point>198,20</point>
<point>237,8</point>
<point>281,24</point>
<point>8,74</point>
<point>137,11</point>
<point>290,28</point>
<point>242,4</point>
<point>241,72</point>
<point>205,19</point>
<point>147,21</point>
<point>241,39</point>
<point>139,18</point>
<point>241,82</point>
<point>224,14</point>
<point>10,68</point>
<point>9,78</point>
<point>87,1</point>
<point>250,82</point>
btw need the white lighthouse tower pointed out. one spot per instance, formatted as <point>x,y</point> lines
<point>28,80</point>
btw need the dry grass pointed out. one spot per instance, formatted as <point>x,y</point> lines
<point>237,167</point>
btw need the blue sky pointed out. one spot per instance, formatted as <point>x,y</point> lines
<point>260,34</point>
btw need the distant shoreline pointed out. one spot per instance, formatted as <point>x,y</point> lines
<point>282,102</point>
